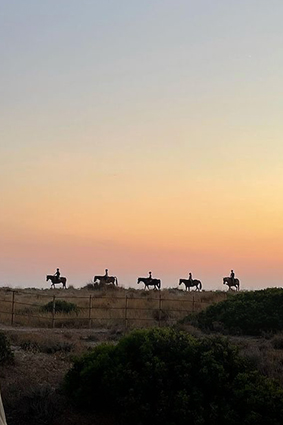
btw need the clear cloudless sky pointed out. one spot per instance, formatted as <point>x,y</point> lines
<point>141,135</point>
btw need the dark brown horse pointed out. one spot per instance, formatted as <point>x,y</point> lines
<point>190,283</point>
<point>106,279</point>
<point>231,282</point>
<point>55,280</point>
<point>156,283</point>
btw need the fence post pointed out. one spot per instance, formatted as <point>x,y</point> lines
<point>13,308</point>
<point>159,309</point>
<point>53,312</point>
<point>89,312</point>
<point>126,313</point>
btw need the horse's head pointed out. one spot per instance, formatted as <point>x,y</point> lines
<point>47,277</point>
<point>140,279</point>
<point>180,281</point>
<point>225,280</point>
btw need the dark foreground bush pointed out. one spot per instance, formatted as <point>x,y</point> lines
<point>248,313</point>
<point>163,377</point>
<point>61,306</point>
<point>39,405</point>
<point>6,354</point>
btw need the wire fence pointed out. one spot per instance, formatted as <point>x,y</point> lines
<point>94,310</point>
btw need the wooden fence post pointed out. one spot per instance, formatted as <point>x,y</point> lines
<point>53,312</point>
<point>159,309</point>
<point>13,308</point>
<point>126,313</point>
<point>90,312</point>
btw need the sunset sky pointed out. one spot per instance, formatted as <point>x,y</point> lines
<point>141,135</point>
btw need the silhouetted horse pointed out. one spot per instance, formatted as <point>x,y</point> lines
<point>55,280</point>
<point>156,283</point>
<point>228,281</point>
<point>103,279</point>
<point>191,283</point>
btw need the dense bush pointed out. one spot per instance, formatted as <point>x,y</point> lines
<point>6,354</point>
<point>250,313</point>
<point>61,306</point>
<point>48,346</point>
<point>162,376</point>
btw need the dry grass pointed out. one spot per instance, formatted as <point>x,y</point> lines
<point>31,386</point>
<point>107,307</point>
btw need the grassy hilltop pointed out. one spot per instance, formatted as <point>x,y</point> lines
<point>220,365</point>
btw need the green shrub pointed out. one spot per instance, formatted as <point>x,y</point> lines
<point>6,354</point>
<point>277,342</point>
<point>61,306</point>
<point>248,313</point>
<point>48,346</point>
<point>162,376</point>
<point>55,347</point>
<point>29,345</point>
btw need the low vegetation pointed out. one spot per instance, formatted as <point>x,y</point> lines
<point>164,376</point>
<point>6,354</point>
<point>103,307</point>
<point>61,306</point>
<point>248,313</point>
<point>172,376</point>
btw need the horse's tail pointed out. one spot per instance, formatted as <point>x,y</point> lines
<point>116,280</point>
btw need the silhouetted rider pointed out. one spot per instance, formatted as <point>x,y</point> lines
<point>106,274</point>
<point>57,274</point>
<point>149,276</point>
<point>232,276</point>
<point>190,277</point>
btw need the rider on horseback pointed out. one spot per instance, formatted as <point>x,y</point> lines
<point>232,276</point>
<point>190,277</point>
<point>149,276</point>
<point>106,275</point>
<point>57,274</point>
